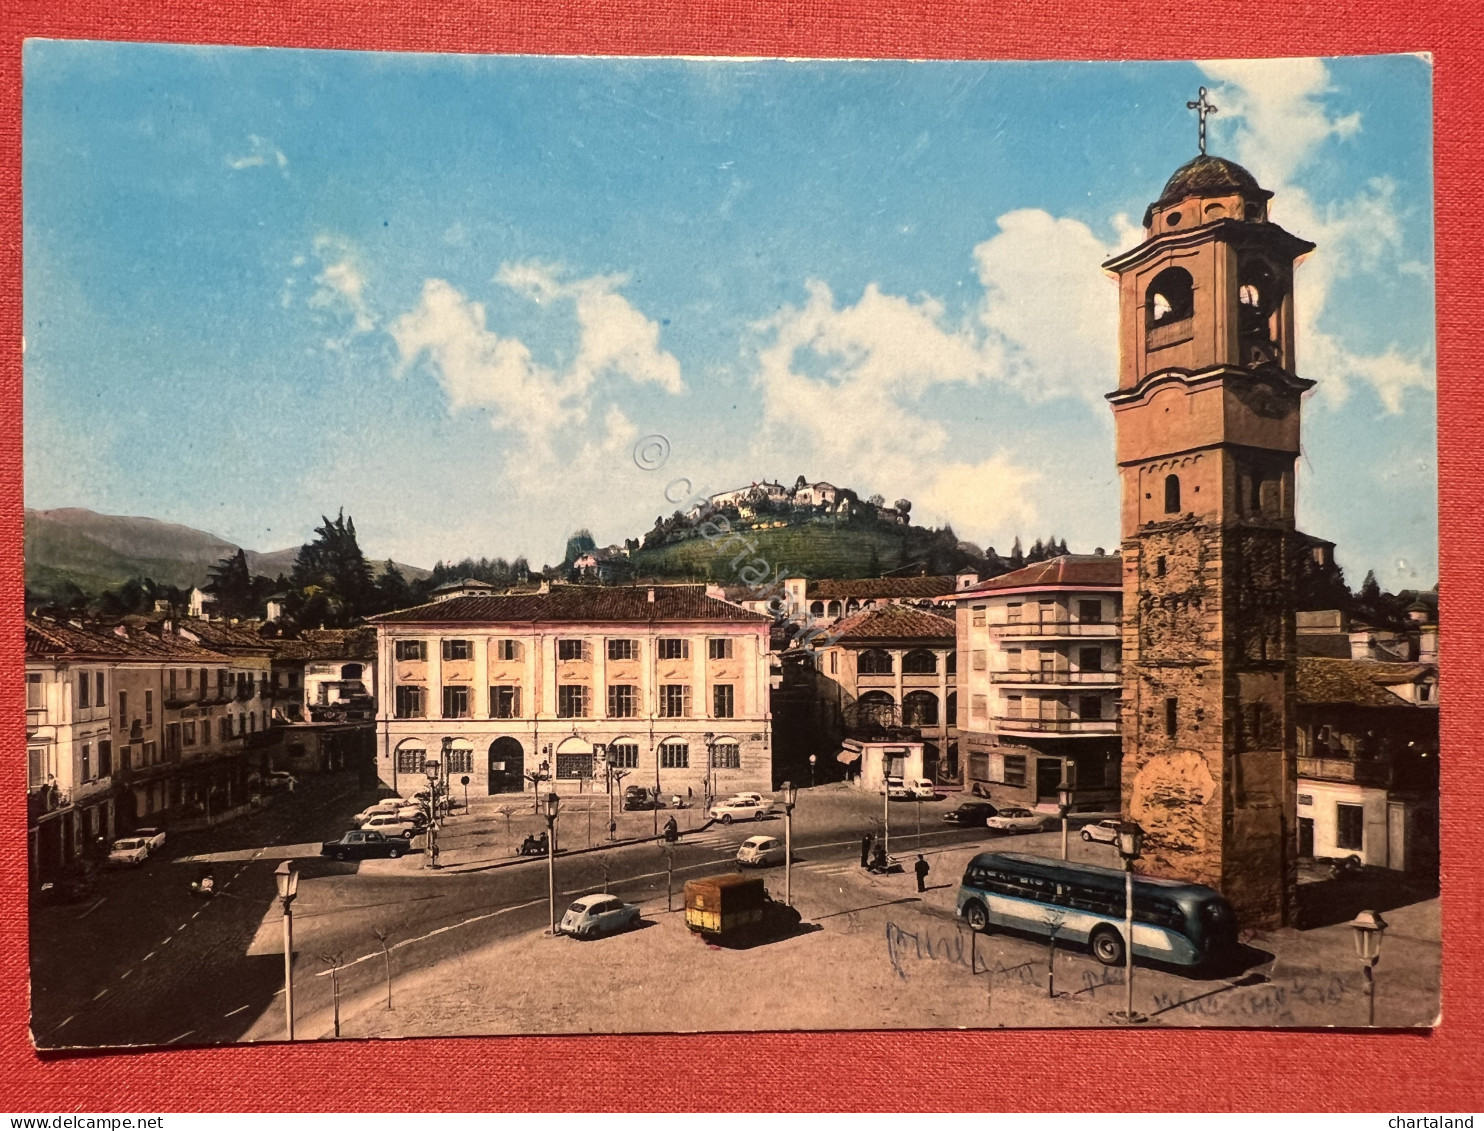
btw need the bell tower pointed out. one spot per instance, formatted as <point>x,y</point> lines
<point>1207,421</point>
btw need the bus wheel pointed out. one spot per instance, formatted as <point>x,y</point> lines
<point>976,916</point>
<point>1107,946</point>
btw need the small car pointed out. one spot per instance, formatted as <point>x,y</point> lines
<point>154,836</point>
<point>761,851</point>
<point>917,789</point>
<point>1016,821</point>
<point>390,824</point>
<point>598,914</point>
<point>970,813</point>
<point>361,845</point>
<point>128,852</point>
<point>1105,831</point>
<point>397,808</point>
<point>279,779</point>
<point>637,797</point>
<point>728,811</point>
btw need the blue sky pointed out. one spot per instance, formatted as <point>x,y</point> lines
<point>450,293</point>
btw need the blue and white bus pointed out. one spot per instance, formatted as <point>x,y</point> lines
<point>1177,923</point>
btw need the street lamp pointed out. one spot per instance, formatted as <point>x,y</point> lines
<point>287,878</point>
<point>549,810</point>
<point>710,740</point>
<point>1064,803</point>
<point>790,799</point>
<point>812,759</point>
<point>1130,845</point>
<point>431,769</point>
<point>447,766</point>
<point>1369,927</point>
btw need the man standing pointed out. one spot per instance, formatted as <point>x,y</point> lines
<point>921,868</point>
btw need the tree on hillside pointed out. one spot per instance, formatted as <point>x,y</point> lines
<point>581,542</point>
<point>392,590</point>
<point>331,578</point>
<point>903,506</point>
<point>238,592</point>
<point>1017,555</point>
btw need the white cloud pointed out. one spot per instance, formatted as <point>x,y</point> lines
<point>261,153</point>
<point>479,368</point>
<point>1275,114</point>
<point>340,287</point>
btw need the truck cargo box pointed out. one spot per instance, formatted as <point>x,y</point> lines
<point>717,905</point>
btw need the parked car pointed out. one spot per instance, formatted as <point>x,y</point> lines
<point>1016,821</point>
<point>128,852</point>
<point>397,808</point>
<point>1105,831</point>
<point>598,914</point>
<point>154,836</point>
<point>761,851</point>
<point>917,789</point>
<point>362,845</point>
<point>279,779</point>
<point>971,813</point>
<point>389,824</point>
<point>637,797</point>
<point>728,811</point>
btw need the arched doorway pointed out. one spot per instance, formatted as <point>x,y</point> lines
<point>507,766</point>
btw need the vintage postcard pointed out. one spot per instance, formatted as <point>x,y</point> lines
<point>528,545</point>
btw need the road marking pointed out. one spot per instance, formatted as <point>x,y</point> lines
<point>186,924</point>
<point>147,957</point>
<point>93,908</point>
<point>126,973</point>
<point>451,926</point>
<point>165,941</point>
<point>182,1037</point>
<point>239,1009</point>
<point>100,993</point>
<point>63,1025</point>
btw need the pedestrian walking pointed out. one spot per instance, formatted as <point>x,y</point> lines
<point>921,868</point>
<point>865,849</point>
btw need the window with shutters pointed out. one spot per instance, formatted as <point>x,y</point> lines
<point>412,649</point>
<point>410,702</point>
<point>675,700</point>
<point>458,649</point>
<point>571,649</point>
<point>723,704</point>
<point>572,701</point>
<point>674,648</point>
<point>455,702</point>
<point>674,756</point>
<point>719,648</point>
<point>623,703</point>
<point>505,701</point>
<point>623,649</point>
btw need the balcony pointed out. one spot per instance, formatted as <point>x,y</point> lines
<point>1057,630</point>
<point>1059,678</point>
<point>44,800</point>
<point>1375,775</point>
<point>1030,726</point>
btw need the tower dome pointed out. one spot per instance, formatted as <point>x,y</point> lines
<point>1212,177</point>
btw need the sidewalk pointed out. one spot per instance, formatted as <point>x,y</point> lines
<point>874,954</point>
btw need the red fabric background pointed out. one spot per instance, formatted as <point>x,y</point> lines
<point>1055,1070</point>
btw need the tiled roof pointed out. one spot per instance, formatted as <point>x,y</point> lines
<point>227,637</point>
<point>866,588</point>
<point>1356,682</point>
<point>327,644</point>
<point>49,638</point>
<point>894,622</point>
<point>1091,570</point>
<point>575,603</point>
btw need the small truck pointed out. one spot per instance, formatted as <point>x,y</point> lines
<point>723,908</point>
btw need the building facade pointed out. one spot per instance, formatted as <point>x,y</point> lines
<point>1039,660</point>
<point>662,685</point>
<point>1206,416</point>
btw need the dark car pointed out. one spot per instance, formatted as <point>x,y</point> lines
<point>637,797</point>
<point>363,845</point>
<point>970,813</point>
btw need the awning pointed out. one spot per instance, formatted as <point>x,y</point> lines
<point>848,756</point>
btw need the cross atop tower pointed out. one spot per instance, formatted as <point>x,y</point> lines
<point>1202,107</point>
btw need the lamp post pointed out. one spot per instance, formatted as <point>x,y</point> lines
<point>431,769</point>
<point>790,799</point>
<point>287,878</point>
<point>710,740</point>
<point>1369,927</point>
<point>885,812</point>
<point>812,759</point>
<point>615,779</point>
<point>550,804</point>
<point>446,768</point>
<point>1064,803</point>
<point>1130,845</point>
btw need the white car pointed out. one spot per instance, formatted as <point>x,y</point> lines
<point>279,779</point>
<point>393,807</point>
<point>598,914</point>
<point>129,852</point>
<point>918,789</point>
<point>743,797</point>
<point>390,824</point>
<point>154,837</point>
<point>1016,821</point>
<point>761,851</point>
<point>732,810</point>
<point>1105,831</point>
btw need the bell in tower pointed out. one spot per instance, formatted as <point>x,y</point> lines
<point>1206,416</point>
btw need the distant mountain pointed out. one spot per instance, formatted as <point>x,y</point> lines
<point>99,551</point>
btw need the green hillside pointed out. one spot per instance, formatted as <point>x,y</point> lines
<point>812,549</point>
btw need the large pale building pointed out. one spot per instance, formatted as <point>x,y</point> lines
<point>1206,416</point>
<point>663,683</point>
<point>1038,678</point>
